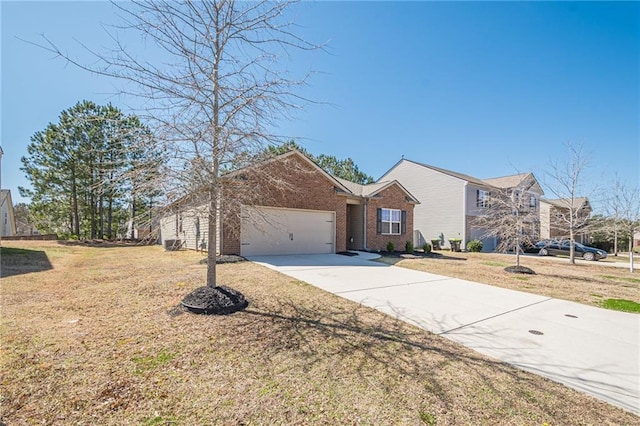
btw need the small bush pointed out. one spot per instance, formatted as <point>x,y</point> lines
<point>426,247</point>
<point>474,246</point>
<point>408,247</point>
<point>391,247</point>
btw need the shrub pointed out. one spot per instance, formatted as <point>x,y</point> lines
<point>426,247</point>
<point>475,245</point>
<point>391,247</point>
<point>408,247</point>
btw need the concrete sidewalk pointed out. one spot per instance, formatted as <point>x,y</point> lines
<point>589,349</point>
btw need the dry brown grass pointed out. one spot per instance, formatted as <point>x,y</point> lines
<point>98,339</point>
<point>589,283</point>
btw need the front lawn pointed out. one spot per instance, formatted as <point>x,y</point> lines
<point>99,339</point>
<point>589,283</point>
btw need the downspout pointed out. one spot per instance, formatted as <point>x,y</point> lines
<point>463,245</point>
<point>364,224</point>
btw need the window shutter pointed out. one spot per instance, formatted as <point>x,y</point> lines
<point>403,222</point>
<point>379,221</point>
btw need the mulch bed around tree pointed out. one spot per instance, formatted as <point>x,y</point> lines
<point>347,253</point>
<point>414,255</point>
<point>225,258</point>
<point>520,270</point>
<point>221,300</point>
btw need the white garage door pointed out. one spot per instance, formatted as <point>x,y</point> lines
<point>271,231</point>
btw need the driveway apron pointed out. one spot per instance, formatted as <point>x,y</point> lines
<point>593,350</point>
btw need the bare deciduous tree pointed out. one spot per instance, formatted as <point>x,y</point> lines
<point>625,207</point>
<point>564,180</point>
<point>512,217</point>
<point>215,91</point>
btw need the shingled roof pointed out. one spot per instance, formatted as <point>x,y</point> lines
<point>565,203</point>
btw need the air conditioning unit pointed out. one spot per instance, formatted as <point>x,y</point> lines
<point>172,245</point>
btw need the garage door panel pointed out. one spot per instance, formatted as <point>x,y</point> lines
<point>286,231</point>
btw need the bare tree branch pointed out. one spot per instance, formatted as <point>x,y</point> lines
<point>214,88</point>
<point>564,180</point>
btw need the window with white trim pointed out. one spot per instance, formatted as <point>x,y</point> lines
<point>482,199</point>
<point>390,221</point>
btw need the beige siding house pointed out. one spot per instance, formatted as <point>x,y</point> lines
<point>189,227</point>
<point>7,219</point>
<point>449,201</point>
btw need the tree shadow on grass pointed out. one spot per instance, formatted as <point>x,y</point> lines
<point>17,261</point>
<point>575,278</point>
<point>105,243</point>
<point>366,343</point>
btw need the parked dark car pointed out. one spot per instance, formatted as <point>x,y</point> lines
<point>561,248</point>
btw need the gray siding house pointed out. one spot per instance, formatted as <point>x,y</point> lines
<point>554,214</point>
<point>449,201</point>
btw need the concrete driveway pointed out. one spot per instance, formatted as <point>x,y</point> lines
<point>593,350</point>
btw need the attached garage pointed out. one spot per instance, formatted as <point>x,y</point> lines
<point>273,231</point>
<point>488,243</point>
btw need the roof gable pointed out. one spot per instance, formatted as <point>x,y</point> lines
<point>503,182</point>
<point>565,203</point>
<point>373,189</point>
<point>512,181</point>
<point>299,155</point>
<point>456,175</point>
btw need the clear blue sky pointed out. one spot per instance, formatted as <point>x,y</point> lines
<point>481,88</point>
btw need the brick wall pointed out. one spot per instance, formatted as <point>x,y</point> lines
<point>391,198</point>
<point>288,182</point>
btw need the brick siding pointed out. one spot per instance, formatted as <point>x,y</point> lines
<point>289,183</point>
<point>391,198</point>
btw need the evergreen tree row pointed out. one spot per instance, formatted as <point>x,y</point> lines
<point>92,173</point>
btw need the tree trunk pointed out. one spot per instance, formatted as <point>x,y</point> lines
<point>132,231</point>
<point>572,240</point>
<point>212,240</point>
<point>110,217</point>
<point>631,251</point>
<point>92,201</point>
<point>101,215</point>
<point>74,203</point>
<point>214,190</point>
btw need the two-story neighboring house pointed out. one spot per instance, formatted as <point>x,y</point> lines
<point>555,215</point>
<point>450,201</point>
<point>7,219</point>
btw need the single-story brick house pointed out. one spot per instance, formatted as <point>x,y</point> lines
<point>296,207</point>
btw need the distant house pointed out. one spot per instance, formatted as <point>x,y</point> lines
<point>298,209</point>
<point>450,201</point>
<point>7,218</point>
<point>554,215</point>
<point>23,227</point>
